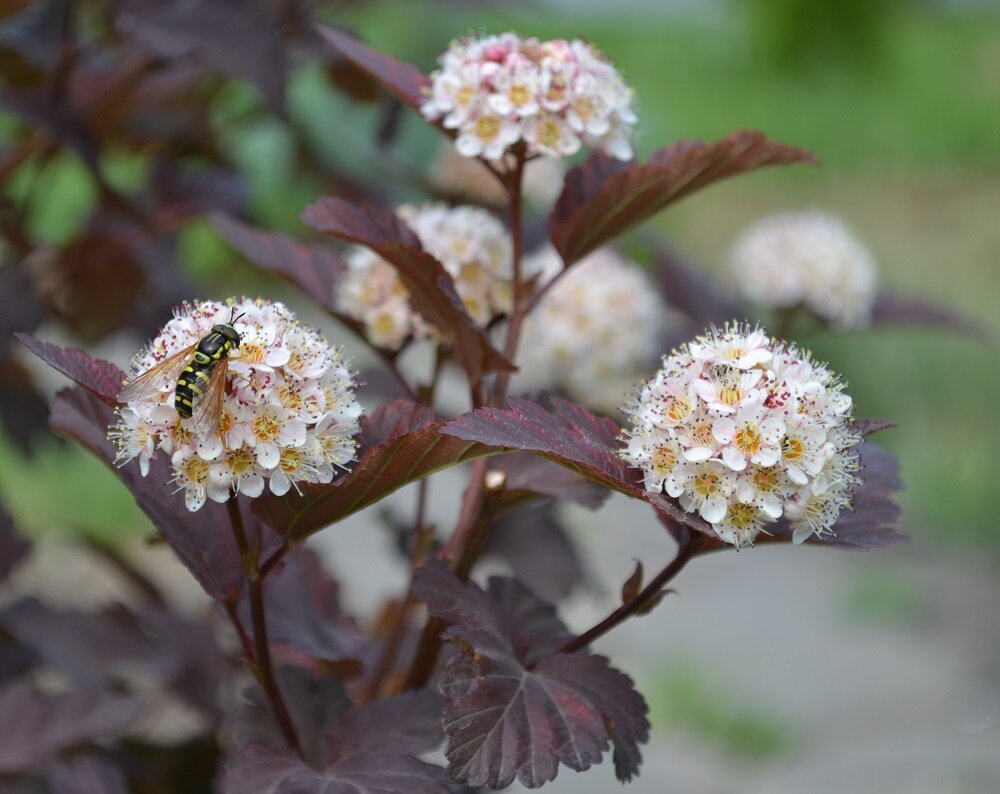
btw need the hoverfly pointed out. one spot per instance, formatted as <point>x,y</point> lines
<point>200,374</point>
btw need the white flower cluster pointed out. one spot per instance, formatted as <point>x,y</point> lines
<point>553,95</point>
<point>288,412</point>
<point>474,248</point>
<point>744,430</point>
<point>808,258</point>
<point>601,323</point>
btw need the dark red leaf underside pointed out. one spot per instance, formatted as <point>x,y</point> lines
<point>315,269</point>
<point>603,198</point>
<point>516,709</point>
<point>432,290</point>
<point>399,457</point>
<point>403,80</point>
<point>101,378</point>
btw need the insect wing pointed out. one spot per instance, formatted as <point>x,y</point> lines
<point>208,407</point>
<point>149,385</point>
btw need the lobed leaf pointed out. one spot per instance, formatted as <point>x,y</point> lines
<point>35,725</point>
<point>432,290</point>
<point>528,476</point>
<point>403,80</point>
<point>516,709</point>
<point>603,197</point>
<point>101,378</point>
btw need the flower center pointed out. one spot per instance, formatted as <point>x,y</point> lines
<point>664,460</point>
<point>196,470</point>
<point>584,108</point>
<point>748,439</point>
<point>741,516</point>
<point>730,394</point>
<point>290,397</point>
<point>792,448</point>
<point>487,127</point>
<point>241,462</point>
<point>706,483</point>
<point>678,408</point>
<point>266,427</point>
<point>251,352</point>
<point>465,95</point>
<point>549,133</point>
<point>766,480</point>
<point>520,94</point>
<point>290,460</point>
<point>702,433</point>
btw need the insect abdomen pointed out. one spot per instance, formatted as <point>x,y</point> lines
<point>193,381</point>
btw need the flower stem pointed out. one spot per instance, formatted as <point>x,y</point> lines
<point>262,663</point>
<point>644,597</point>
<point>520,299</point>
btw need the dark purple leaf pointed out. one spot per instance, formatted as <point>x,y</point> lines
<point>516,710</point>
<point>432,290</point>
<point>236,37</point>
<point>202,540</point>
<point>101,378</point>
<point>13,546</point>
<point>261,769</point>
<point>533,542</point>
<point>565,432</point>
<point>36,33</point>
<point>603,198</point>
<point>890,310</point>
<point>688,290</point>
<point>408,447</point>
<point>403,80</point>
<point>531,475</point>
<point>303,611</point>
<point>62,123</point>
<point>86,774</point>
<point>407,724</point>
<point>315,269</point>
<point>35,725</point>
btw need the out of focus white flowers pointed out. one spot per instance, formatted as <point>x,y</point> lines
<point>288,414</point>
<point>474,248</point>
<point>810,259</point>
<point>599,325</point>
<point>744,430</point>
<point>556,96</point>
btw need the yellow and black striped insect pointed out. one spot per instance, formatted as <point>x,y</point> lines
<point>200,374</point>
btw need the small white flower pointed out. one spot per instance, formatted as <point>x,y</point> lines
<point>751,431</point>
<point>288,412</point>
<point>554,96</point>
<point>807,258</point>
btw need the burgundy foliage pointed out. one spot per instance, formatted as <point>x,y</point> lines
<point>516,709</point>
<point>604,197</point>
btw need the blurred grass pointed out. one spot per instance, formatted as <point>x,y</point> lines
<point>682,699</point>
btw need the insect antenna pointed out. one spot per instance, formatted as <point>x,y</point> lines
<point>233,317</point>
